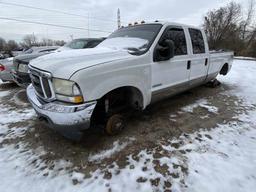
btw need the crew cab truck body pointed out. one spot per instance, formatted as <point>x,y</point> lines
<point>132,68</point>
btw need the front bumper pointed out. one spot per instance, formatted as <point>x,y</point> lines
<point>69,120</point>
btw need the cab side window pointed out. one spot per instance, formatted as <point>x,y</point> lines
<point>197,41</point>
<point>178,37</point>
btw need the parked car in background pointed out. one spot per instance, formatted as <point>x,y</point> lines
<point>20,63</point>
<point>82,43</point>
<point>134,67</point>
<point>20,73</point>
<point>6,66</point>
<point>2,56</point>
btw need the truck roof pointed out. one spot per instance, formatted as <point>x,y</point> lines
<point>167,23</point>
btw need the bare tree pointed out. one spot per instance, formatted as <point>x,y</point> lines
<point>12,45</point>
<point>249,30</point>
<point>246,23</point>
<point>59,42</point>
<point>2,44</point>
<point>46,42</point>
<point>29,41</point>
<point>230,28</point>
<point>220,23</point>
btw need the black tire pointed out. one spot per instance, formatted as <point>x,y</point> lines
<point>213,84</point>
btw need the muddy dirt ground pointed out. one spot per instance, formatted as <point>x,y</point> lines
<point>159,123</point>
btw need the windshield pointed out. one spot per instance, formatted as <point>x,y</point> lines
<point>136,39</point>
<point>29,51</point>
<point>77,44</point>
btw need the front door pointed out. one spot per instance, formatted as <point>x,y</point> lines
<point>170,76</point>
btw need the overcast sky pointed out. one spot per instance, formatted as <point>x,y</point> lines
<point>185,11</point>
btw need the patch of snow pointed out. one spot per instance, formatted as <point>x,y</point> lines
<point>79,177</point>
<point>12,116</point>
<point>173,118</point>
<point>10,59</point>
<point>200,103</point>
<point>204,117</point>
<point>245,58</point>
<point>9,116</point>
<point>117,147</point>
<point>4,93</point>
<point>11,133</point>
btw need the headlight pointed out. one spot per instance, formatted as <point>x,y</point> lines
<point>23,68</point>
<point>67,91</point>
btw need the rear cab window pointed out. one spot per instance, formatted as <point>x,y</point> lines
<point>197,41</point>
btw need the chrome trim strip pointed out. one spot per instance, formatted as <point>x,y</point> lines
<point>48,76</point>
<point>41,83</point>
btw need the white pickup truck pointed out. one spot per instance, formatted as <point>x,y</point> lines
<point>133,67</point>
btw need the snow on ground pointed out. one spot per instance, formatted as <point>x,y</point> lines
<point>245,58</point>
<point>242,77</point>
<point>227,161</point>
<point>223,159</point>
<point>200,103</point>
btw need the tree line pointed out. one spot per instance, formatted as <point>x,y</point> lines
<point>27,42</point>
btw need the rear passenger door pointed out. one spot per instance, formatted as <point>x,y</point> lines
<point>199,58</point>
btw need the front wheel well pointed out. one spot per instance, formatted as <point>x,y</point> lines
<point>119,100</point>
<point>224,69</point>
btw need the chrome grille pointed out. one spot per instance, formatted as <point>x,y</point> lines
<point>41,81</point>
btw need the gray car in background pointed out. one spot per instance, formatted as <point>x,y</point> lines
<point>6,66</point>
<point>20,63</point>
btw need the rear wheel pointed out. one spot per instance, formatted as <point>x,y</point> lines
<point>213,83</point>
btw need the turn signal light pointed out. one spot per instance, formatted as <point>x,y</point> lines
<point>78,99</point>
<point>2,67</point>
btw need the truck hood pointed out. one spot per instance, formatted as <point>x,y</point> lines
<point>64,64</point>
<point>28,57</point>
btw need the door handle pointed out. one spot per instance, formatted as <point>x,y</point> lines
<point>206,62</point>
<point>188,65</point>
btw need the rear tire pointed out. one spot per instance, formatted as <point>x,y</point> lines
<point>213,84</point>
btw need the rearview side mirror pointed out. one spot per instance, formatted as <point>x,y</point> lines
<point>164,51</point>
